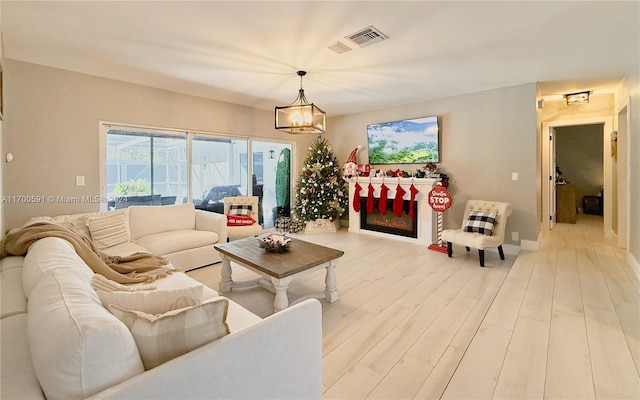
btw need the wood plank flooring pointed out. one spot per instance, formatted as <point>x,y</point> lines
<point>560,323</point>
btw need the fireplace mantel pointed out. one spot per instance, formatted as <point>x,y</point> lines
<point>425,213</point>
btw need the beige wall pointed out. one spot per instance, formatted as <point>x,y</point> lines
<point>630,95</point>
<point>485,137</point>
<point>52,128</point>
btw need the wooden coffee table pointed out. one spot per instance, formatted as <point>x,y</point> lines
<point>278,270</point>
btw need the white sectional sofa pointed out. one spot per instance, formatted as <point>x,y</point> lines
<point>180,233</point>
<point>59,341</point>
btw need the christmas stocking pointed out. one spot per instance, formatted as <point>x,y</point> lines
<point>413,192</point>
<point>356,197</point>
<point>370,199</point>
<point>398,201</point>
<point>382,202</point>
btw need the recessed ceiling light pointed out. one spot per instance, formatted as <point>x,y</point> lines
<point>577,98</point>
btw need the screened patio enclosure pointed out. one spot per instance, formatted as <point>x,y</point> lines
<point>156,167</point>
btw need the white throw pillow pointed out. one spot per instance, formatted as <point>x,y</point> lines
<point>78,348</point>
<point>109,230</point>
<point>154,301</point>
<point>163,337</point>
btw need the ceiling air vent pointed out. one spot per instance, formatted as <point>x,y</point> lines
<point>367,36</point>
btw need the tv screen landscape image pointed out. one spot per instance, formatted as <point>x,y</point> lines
<point>409,141</point>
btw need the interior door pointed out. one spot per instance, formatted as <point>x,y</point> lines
<point>552,178</point>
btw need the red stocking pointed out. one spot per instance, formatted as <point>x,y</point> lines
<point>370,199</point>
<point>398,201</point>
<point>356,197</point>
<point>414,192</point>
<point>382,202</point>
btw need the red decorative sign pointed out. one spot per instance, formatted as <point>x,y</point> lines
<point>440,199</point>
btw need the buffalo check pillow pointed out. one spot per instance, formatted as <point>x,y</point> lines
<point>481,222</point>
<point>240,209</point>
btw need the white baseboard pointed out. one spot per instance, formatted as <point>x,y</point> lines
<point>635,265</point>
<point>510,249</point>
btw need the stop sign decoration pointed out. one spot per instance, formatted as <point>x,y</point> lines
<point>440,199</point>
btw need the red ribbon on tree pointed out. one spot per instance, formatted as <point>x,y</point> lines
<point>356,197</point>
<point>370,199</point>
<point>398,201</point>
<point>382,202</point>
<point>413,192</point>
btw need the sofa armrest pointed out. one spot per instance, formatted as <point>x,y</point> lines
<point>279,357</point>
<point>214,222</point>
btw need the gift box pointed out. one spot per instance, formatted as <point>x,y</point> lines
<point>295,226</point>
<point>282,224</point>
<point>286,224</point>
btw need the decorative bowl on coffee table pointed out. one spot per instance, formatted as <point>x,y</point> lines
<point>274,243</point>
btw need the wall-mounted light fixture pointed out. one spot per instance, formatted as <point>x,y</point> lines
<point>577,98</point>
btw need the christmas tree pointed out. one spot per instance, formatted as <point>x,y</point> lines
<point>321,192</point>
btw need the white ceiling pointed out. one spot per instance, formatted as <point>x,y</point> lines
<point>247,52</point>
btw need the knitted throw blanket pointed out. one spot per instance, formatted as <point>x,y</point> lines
<point>138,267</point>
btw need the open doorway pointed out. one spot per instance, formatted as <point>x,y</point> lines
<point>549,130</point>
<point>580,164</point>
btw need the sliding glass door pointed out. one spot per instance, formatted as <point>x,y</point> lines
<point>145,167</point>
<point>149,166</point>
<point>272,171</point>
<point>218,170</point>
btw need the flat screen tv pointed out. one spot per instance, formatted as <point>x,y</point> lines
<point>410,141</point>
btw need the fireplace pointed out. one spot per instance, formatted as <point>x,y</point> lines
<point>419,230</point>
<point>389,223</point>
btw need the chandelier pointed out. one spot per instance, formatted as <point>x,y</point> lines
<point>300,116</point>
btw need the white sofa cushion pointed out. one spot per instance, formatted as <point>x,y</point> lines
<point>48,254</point>
<point>154,301</point>
<point>78,348</point>
<point>145,220</point>
<point>19,379</point>
<point>239,317</point>
<point>124,249</point>
<point>109,230</point>
<point>12,299</point>
<point>163,337</point>
<point>170,242</point>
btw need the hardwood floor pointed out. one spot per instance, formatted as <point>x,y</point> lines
<point>560,323</point>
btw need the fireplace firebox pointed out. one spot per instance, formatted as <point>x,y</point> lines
<point>389,223</point>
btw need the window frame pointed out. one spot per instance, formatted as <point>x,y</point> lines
<point>104,127</point>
